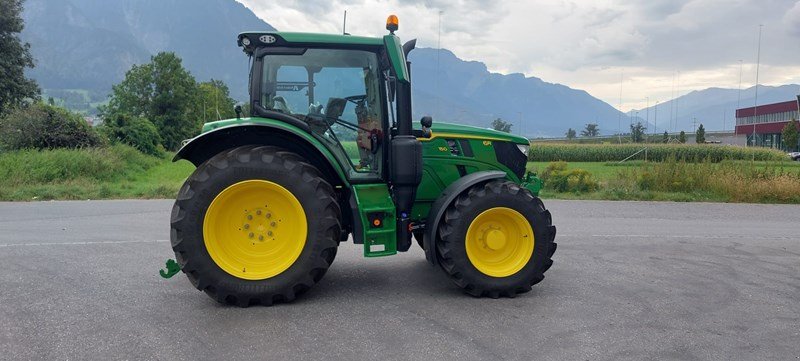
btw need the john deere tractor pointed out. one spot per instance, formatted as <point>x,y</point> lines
<point>329,154</point>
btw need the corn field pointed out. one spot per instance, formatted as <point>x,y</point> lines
<point>654,152</point>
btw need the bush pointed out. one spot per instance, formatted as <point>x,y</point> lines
<point>137,132</point>
<point>42,126</point>
<point>557,177</point>
<point>655,152</point>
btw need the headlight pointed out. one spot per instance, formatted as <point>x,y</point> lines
<point>524,148</point>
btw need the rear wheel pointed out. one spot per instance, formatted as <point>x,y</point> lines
<point>255,225</point>
<point>496,240</point>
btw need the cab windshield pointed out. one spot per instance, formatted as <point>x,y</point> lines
<point>337,92</point>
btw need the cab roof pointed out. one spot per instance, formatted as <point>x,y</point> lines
<point>278,38</point>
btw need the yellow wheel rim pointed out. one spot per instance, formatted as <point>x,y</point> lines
<point>499,242</point>
<point>255,229</point>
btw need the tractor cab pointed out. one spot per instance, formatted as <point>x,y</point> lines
<point>342,87</point>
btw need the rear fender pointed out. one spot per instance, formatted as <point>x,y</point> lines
<point>206,145</point>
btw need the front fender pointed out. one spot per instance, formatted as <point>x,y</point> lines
<point>445,199</point>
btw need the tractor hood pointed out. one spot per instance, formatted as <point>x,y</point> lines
<point>466,131</point>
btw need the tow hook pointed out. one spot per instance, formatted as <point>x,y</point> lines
<point>172,269</point>
<point>532,183</point>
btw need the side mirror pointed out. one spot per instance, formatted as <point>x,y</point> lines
<point>238,110</point>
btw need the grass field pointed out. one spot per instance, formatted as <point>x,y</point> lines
<point>104,173</point>
<point>546,152</point>
<point>122,172</point>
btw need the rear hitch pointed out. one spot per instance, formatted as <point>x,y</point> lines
<point>172,269</point>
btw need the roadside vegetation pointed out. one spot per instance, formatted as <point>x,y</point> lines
<point>549,152</point>
<point>673,180</point>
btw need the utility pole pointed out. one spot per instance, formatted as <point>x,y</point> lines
<point>344,24</point>
<point>619,114</point>
<point>738,99</point>
<point>676,100</point>
<point>755,106</point>
<point>438,55</point>
<point>672,101</point>
<point>655,120</point>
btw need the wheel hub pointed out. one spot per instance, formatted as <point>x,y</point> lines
<point>495,239</point>
<point>257,224</point>
<point>499,242</point>
<point>241,229</point>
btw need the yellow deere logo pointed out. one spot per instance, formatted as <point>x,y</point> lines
<point>487,142</point>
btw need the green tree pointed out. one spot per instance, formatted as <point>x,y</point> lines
<point>501,125</point>
<point>163,92</point>
<point>215,101</point>
<point>790,134</point>
<point>666,137</point>
<point>137,132</point>
<point>15,56</point>
<point>700,134</point>
<point>571,134</point>
<point>637,132</point>
<point>682,137</point>
<point>591,130</point>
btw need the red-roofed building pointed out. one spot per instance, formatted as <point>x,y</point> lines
<point>769,120</point>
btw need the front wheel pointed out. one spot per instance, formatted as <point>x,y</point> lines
<point>496,240</point>
<point>255,225</point>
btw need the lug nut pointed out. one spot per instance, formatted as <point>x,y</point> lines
<point>260,238</point>
<point>269,233</point>
<point>246,226</point>
<point>251,235</point>
<point>269,215</point>
<point>258,212</point>
<point>273,224</point>
<point>249,217</point>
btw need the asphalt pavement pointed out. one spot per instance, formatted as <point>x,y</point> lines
<point>631,280</point>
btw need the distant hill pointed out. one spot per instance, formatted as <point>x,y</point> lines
<point>714,107</point>
<point>89,44</point>
<point>468,93</point>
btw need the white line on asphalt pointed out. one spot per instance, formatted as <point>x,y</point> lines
<point>77,243</point>
<point>689,236</point>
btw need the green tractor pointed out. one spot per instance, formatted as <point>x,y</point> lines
<point>330,151</point>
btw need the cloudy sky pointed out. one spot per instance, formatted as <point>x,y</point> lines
<point>647,46</point>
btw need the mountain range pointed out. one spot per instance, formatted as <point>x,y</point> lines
<point>713,107</point>
<point>90,44</point>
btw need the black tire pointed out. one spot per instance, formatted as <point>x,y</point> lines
<point>287,169</point>
<point>451,249</point>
